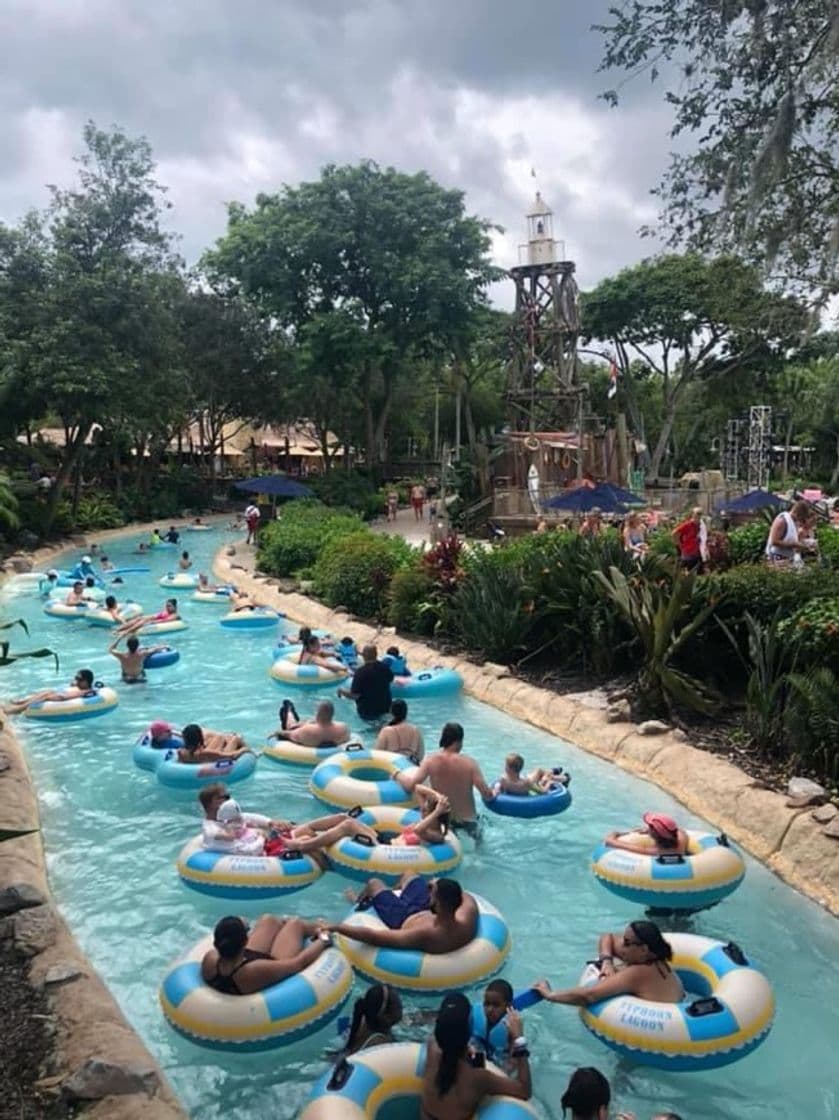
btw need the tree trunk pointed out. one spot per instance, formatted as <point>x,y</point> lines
<point>72,451</point>
<point>667,420</point>
<point>834,478</point>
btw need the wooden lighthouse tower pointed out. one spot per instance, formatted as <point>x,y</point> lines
<point>542,390</point>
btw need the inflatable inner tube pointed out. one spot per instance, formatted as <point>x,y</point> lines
<point>727,1013</point>
<point>162,659</point>
<point>98,702</point>
<point>293,754</point>
<point>709,871</point>
<point>232,875</point>
<point>429,682</point>
<point>360,861</point>
<point>251,618</point>
<point>170,626</point>
<point>188,776</point>
<point>281,1014</point>
<point>357,776</point>
<point>179,579</point>
<point>386,1081</point>
<point>556,800</point>
<point>414,971</point>
<point>286,670</point>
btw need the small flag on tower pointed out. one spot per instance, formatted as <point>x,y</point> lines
<point>613,379</point>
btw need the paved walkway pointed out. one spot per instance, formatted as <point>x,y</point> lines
<point>415,532</point>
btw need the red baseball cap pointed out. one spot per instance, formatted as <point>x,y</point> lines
<point>661,825</point>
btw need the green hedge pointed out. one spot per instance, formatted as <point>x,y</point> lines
<point>297,541</point>
<point>349,489</point>
<point>356,571</point>
<point>747,543</point>
<point>812,632</point>
<point>410,600</point>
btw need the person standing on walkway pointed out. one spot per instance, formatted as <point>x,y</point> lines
<point>688,538</point>
<point>418,500</point>
<point>252,519</point>
<point>370,686</point>
<point>392,503</point>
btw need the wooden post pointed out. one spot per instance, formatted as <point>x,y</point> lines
<point>622,449</point>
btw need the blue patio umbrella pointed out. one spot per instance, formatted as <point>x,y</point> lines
<point>275,485</point>
<point>753,502</point>
<point>605,497</point>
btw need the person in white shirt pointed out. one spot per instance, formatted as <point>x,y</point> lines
<point>225,828</point>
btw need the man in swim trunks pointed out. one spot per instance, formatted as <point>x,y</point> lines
<point>370,687</point>
<point>82,686</point>
<point>132,662</point>
<point>75,596</point>
<point>323,730</point>
<point>210,746</point>
<point>454,774</point>
<point>435,917</point>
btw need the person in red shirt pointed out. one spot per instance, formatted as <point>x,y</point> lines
<point>687,536</point>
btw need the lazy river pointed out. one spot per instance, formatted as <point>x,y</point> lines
<point>112,834</point>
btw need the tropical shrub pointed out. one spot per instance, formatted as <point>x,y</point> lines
<point>297,540</point>
<point>761,590</point>
<point>350,489</point>
<point>664,612</point>
<point>812,723</point>
<point>828,538</point>
<point>747,543</point>
<point>411,600</point>
<point>812,632</point>
<point>98,510</point>
<point>660,543</point>
<point>355,571</point>
<point>444,563</point>
<point>492,609</point>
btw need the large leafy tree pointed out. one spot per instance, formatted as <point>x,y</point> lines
<point>753,84</point>
<point>234,364</point>
<point>82,273</point>
<point>689,320</point>
<point>396,253</point>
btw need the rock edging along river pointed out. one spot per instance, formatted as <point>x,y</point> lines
<point>788,841</point>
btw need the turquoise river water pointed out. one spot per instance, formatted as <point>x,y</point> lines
<point>112,834</point>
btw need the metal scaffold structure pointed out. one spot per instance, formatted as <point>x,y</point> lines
<point>746,449</point>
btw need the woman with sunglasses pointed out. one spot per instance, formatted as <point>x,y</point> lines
<point>243,960</point>
<point>636,962</point>
<point>82,686</point>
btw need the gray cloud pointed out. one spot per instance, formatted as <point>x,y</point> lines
<point>240,98</point>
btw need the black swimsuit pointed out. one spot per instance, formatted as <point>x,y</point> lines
<point>227,984</point>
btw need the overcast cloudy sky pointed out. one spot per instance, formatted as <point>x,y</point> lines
<point>241,96</point>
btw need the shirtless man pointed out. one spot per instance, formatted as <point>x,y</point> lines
<point>241,601</point>
<point>435,917</point>
<point>210,746</point>
<point>661,836</point>
<point>76,596</point>
<point>81,686</point>
<point>453,774</point>
<point>132,662</point>
<point>323,730</point>
<point>643,970</point>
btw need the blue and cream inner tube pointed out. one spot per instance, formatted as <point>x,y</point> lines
<point>295,754</point>
<point>162,544</point>
<point>184,580</point>
<point>428,682</point>
<point>414,971</point>
<point>709,871</point>
<point>198,528</point>
<point>285,1012</point>
<point>289,643</point>
<point>101,617</point>
<point>287,670</point>
<point>532,805</point>
<point>98,702</point>
<point>727,1013</point>
<point>357,776</point>
<point>220,596</point>
<point>386,1081</point>
<point>231,875</point>
<point>188,776</point>
<point>251,618</point>
<point>358,860</point>
<point>170,626</point>
<point>162,659</point>
<point>65,611</point>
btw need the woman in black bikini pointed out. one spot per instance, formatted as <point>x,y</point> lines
<point>243,962</point>
<point>452,1087</point>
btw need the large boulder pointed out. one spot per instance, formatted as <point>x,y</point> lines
<point>19,896</point>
